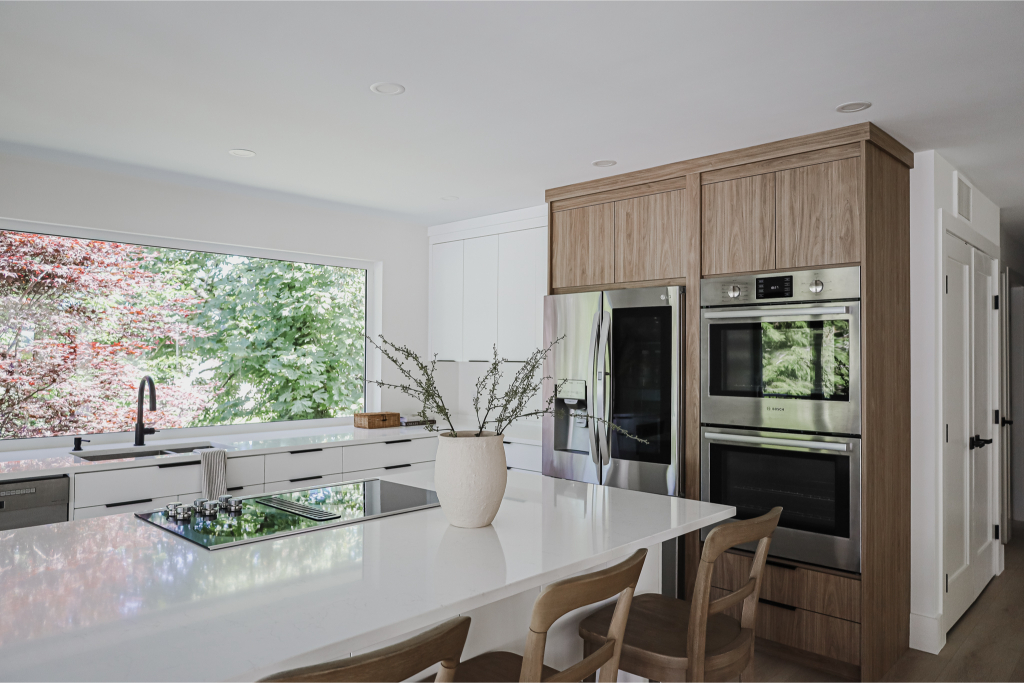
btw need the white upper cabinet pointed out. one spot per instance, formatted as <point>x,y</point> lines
<point>522,278</point>
<point>446,300</point>
<point>480,298</point>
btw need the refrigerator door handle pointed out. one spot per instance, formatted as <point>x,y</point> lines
<point>592,424</point>
<point>604,377</point>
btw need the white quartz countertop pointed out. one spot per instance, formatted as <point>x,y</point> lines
<point>114,598</point>
<point>50,461</point>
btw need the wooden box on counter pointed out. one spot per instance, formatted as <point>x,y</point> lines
<point>377,420</point>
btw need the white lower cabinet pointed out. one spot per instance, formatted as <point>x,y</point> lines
<point>523,456</point>
<point>303,482</point>
<point>381,471</point>
<point>388,453</point>
<point>121,508</point>
<point>111,492</point>
<point>303,462</point>
<point>137,483</point>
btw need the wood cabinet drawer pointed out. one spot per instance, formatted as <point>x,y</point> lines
<point>398,452</point>
<point>381,471</point>
<point>138,483</point>
<point>823,635</point>
<point>828,594</point>
<point>245,471</point>
<point>303,482</point>
<point>523,456</point>
<point>304,462</point>
<point>117,509</point>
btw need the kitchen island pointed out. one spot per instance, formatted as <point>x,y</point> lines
<point>115,598</point>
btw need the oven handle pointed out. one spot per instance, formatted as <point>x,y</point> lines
<point>817,310</point>
<point>771,441</point>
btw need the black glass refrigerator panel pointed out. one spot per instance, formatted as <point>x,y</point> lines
<point>641,386</point>
<point>813,489</point>
<point>798,359</point>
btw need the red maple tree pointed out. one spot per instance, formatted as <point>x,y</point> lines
<point>77,320</point>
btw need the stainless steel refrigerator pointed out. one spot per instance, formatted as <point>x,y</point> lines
<point>619,358</point>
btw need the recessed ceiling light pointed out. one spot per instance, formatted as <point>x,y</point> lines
<point>852,107</point>
<point>242,153</point>
<point>387,88</point>
<point>605,163</point>
<point>450,198</point>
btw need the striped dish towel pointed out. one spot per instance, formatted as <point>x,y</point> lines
<point>215,473</point>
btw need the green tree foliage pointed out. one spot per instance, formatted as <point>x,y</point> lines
<point>284,340</point>
<point>789,351</point>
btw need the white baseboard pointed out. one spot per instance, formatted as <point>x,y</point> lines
<point>926,633</point>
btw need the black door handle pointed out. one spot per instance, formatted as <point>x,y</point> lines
<point>1005,422</point>
<point>978,442</point>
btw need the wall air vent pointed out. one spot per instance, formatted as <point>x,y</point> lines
<point>963,199</point>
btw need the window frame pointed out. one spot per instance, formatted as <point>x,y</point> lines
<point>372,357</point>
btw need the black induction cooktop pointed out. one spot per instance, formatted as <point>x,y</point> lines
<point>257,518</point>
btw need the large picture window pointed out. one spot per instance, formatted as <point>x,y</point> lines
<point>227,339</point>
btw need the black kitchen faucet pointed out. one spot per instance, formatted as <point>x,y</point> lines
<point>141,430</point>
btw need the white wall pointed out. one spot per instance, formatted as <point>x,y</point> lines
<point>932,184</point>
<point>49,187</point>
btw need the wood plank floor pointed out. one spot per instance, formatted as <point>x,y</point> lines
<point>987,644</point>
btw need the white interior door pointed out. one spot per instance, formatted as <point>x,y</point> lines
<point>1005,404</point>
<point>480,298</point>
<point>956,408</point>
<point>985,383</point>
<point>446,300</point>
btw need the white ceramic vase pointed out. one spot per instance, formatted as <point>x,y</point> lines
<point>470,477</point>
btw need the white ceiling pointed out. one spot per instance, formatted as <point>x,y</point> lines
<point>503,100</point>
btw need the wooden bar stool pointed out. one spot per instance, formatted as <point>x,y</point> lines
<point>679,640</point>
<point>559,599</point>
<point>443,643</point>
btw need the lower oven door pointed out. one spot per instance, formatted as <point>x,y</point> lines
<point>815,479</point>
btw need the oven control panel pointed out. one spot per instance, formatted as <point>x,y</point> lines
<point>823,284</point>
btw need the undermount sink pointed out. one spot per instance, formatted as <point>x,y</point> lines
<point>143,451</point>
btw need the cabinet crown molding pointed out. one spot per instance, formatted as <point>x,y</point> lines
<point>805,143</point>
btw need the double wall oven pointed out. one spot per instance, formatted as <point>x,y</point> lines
<point>781,407</point>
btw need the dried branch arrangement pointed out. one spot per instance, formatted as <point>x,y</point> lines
<point>495,409</point>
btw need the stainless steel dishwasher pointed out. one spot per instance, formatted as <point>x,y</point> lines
<point>31,502</point>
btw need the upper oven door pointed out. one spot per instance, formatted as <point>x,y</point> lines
<point>793,367</point>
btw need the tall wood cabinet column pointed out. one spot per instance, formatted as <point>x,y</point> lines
<point>885,425</point>
<point>690,544</point>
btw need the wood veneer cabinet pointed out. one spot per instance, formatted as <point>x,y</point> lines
<point>818,215</point>
<point>618,243</point>
<point>582,243</point>
<point>649,237</point>
<point>738,232</point>
<point>830,198</point>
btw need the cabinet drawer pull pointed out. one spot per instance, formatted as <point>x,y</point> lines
<point>129,502</point>
<point>395,467</point>
<point>777,604</point>
<point>234,488</point>
<point>388,443</point>
<point>781,565</point>
<point>292,481</point>
<point>178,464</point>
<point>305,450</point>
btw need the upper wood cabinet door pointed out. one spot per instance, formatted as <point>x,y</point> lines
<point>818,221</point>
<point>582,246</point>
<point>738,225</point>
<point>649,237</point>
